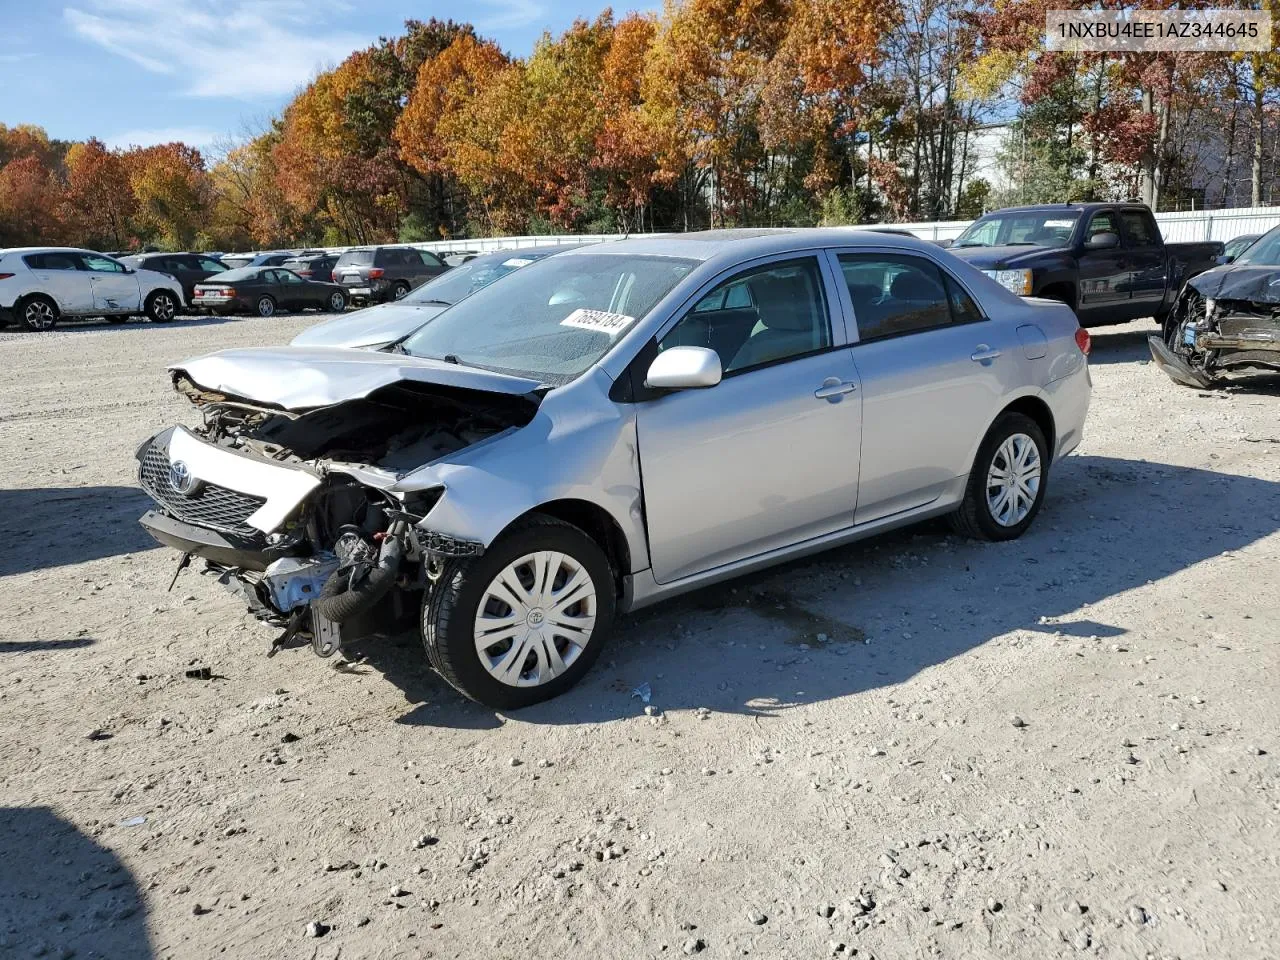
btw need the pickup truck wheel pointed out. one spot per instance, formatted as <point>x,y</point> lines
<point>161,306</point>
<point>1007,483</point>
<point>525,621</point>
<point>37,312</point>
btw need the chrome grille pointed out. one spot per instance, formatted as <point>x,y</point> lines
<point>214,507</point>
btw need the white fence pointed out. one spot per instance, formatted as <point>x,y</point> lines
<point>1182,227</point>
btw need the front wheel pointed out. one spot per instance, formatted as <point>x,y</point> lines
<point>266,307</point>
<point>162,306</point>
<point>525,621</point>
<point>1007,483</point>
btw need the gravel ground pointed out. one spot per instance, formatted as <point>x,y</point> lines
<point>913,747</point>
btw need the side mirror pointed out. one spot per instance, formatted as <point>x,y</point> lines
<point>1103,241</point>
<point>684,368</point>
<point>1226,258</point>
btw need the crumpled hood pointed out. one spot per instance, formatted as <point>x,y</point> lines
<point>1244,281</point>
<point>374,327</point>
<point>300,378</point>
<point>998,258</point>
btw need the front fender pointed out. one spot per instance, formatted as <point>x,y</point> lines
<point>579,446</point>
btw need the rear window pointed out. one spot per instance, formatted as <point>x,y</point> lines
<point>233,262</point>
<point>356,258</point>
<point>242,273</point>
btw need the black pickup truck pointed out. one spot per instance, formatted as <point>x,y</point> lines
<point>1107,261</point>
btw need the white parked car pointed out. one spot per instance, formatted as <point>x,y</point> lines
<point>40,285</point>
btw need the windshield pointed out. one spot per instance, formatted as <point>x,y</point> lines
<point>552,319</point>
<point>1264,251</point>
<point>467,278</point>
<point>356,256</point>
<point>240,273</point>
<point>1046,228</point>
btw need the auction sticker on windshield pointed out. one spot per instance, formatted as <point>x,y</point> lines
<point>599,320</point>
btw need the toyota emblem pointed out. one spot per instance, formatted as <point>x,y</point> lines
<point>182,480</point>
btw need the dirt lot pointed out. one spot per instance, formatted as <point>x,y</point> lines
<point>914,747</point>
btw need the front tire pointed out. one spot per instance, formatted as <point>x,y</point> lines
<point>266,307</point>
<point>1008,481</point>
<point>524,622</point>
<point>38,313</point>
<point>161,307</point>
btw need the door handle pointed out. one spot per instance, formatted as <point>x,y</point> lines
<point>983,353</point>
<point>833,388</point>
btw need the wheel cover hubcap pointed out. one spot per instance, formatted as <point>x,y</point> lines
<point>265,307</point>
<point>164,307</point>
<point>535,618</point>
<point>1013,480</point>
<point>39,315</point>
<point>336,301</point>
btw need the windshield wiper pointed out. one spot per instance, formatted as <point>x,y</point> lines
<point>440,303</point>
<point>451,358</point>
<point>971,243</point>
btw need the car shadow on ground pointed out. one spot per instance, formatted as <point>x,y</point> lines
<point>1125,343</point>
<point>45,527</point>
<point>137,324</point>
<point>852,619</point>
<point>62,894</point>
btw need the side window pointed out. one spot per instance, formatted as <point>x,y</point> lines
<point>51,261</point>
<point>100,264</point>
<point>759,317</point>
<point>894,294</point>
<point>963,307</point>
<point>1104,222</point>
<point>429,258</point>
<point>1138,231</point>
<point>287,276</point>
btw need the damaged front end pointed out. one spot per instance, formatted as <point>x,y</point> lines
<point>1223,323</point>
<point>298,510</point>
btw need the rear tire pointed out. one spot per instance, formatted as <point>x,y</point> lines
<point>543,646</point>
<point>1007,483</point>
<point>400,290</point>
<point>336,302</point>
<point>161,307</point>
<point>266,307</point>
<point>37,312</point>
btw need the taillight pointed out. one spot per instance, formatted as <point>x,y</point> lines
<point>1084,341</point>
<point>333,278</point>
<point>228,291</point>
<point>5,276</point>
<point>376,273</point>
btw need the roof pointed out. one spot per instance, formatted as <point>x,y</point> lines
<point>1073,207</point>
<point>49,250</point>
<point>747,243</point>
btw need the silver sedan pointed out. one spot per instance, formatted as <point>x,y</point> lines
<point>613,426</point>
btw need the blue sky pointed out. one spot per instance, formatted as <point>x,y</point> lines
<point>150,71</point>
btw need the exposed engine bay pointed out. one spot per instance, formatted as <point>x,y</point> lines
<point>318,564</point>
<point>1225,320</point>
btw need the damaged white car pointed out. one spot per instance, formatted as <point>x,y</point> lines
<point>611,426</point>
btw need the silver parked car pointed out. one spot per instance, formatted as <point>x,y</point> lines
<point>613,426</point>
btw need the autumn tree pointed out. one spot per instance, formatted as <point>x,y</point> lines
<point>171,190</point>
<point>98,203</point>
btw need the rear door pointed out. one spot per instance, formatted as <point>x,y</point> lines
<point>1105,275</point>
<point>1148,262</point>
<point>934,372</point>
<point>114,290</point>
<point>63,277</point>
<point>769,456</point>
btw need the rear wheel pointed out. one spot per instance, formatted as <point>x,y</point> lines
<point>525,621</point>
<point>1008,481</point>
<point>336,302</point>
<point>266,307</point>
<point>161,306</point>
<point>38,313</point>
<point>399,290</point>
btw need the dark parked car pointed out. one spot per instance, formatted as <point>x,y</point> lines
<point>274,258</point>
<point>1237,245</point>
<point>263,290</point>
<point>312,266</point>
<point>1107,261</point>
<point>187,268</point>
<point>379,274</point>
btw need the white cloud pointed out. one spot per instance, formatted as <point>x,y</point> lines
<point>192,136</point>
<point>218,48</point>
<point>510,14</point>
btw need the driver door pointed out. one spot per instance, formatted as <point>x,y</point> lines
<point>769,456</point>
<point>114,290</point>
